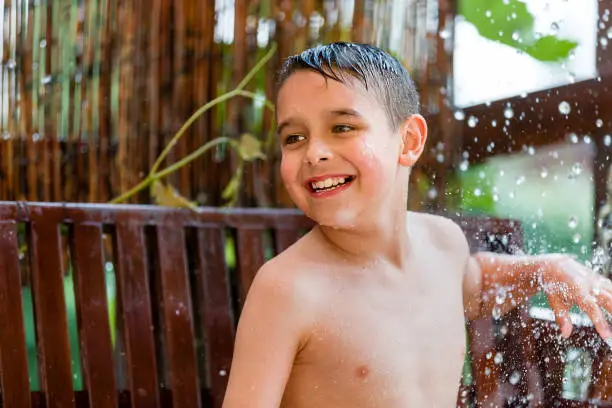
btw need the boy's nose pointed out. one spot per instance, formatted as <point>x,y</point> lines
<point>317,152</point>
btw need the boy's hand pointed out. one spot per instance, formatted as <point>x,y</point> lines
<point>566,283</point>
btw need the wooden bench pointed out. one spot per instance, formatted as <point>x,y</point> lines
<point>167,337</point>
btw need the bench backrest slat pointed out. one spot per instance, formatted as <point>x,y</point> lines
<point>178,316</point>
<point>92,311</point>
<point>50,307</point>
<point>13,357</point>
<point>250,253</point>
<point>134,292</point>
<point>216,314</point>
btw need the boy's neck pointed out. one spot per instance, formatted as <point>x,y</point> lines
<point>387,240</point>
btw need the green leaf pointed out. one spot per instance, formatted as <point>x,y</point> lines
<point>509,22</point>
<point>551,49</point>
<point>249,148</point>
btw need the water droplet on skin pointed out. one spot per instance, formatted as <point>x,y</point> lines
<point>572,223</point>
<point>565,108</point>
<point>459,115</point>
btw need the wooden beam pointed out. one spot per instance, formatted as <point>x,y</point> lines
<point>507,125</point>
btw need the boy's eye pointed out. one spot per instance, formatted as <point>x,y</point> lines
<point>342,128</point>
<point>291,139</point>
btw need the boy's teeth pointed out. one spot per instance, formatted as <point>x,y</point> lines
<point>327,183</point>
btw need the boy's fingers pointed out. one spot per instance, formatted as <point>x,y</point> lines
<point>561,315</point>
<point>595,313</point>
<point>605,301</point>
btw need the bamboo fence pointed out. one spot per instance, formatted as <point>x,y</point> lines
<point>92,90</point>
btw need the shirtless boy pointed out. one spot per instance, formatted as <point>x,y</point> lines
<point>368,309</point>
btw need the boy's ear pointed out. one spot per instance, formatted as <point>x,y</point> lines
<point>413,137</point>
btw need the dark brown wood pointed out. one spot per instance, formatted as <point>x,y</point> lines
<point>95,335</point>
<point>215,309</point>
<point>13,357</point>
<point>250,256</point>
<point>136,303</point>
<point>50,309</point>
<point>284,238</point>
<point>536,120</point>
<point>178,316</point>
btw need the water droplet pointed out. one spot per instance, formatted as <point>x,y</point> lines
<point>488,13</point>
<point>495,198</point>
<point>576,170</point>
<point>440,158</point>
<point>459,115</point>
<point>222,373</point>
<point>572,223</point>
<point>576,238</point>
<point>11,64</point>
<point>508,113</point>
<point>607,140</point>
<point>445,34</point>
<point>603,41</point>
<point>520,180</point>
<point>464,165</point>
<point>609,32</point>
<point>554,28</point>
<point>496,313</point>
<point>472,121</point>
<point>494,123</point>
<point>43,43</point>
<point>543,172</point>
<point>565,108</point>
<point>498,358</point>
<point>477,192</point>
<point>516,36</point>
<point>515,377</point>
<point>432,193</point>
<point>500,297</point>
<point>599,123</point>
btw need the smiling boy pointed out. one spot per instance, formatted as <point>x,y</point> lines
<point>368,308</point>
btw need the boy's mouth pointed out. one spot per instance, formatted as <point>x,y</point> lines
<point>321,185</point>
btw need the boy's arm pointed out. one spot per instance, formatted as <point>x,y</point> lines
<point>505,281</point>
<point>270,332</point>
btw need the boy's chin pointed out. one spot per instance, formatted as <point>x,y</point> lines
<point>341,219</point>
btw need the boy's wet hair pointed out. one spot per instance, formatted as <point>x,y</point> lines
<point>380,73</point>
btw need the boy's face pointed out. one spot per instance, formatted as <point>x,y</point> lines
<point>341,159</point>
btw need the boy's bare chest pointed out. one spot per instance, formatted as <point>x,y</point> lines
<point>393,347</point>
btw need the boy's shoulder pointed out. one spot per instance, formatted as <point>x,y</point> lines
<point>442,230</point>
<point>288,275</point>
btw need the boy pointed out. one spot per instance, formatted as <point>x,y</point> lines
<point>368,309</point>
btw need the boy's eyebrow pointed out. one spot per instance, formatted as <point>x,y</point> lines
<point>332,113</point>
<point>345,112</point>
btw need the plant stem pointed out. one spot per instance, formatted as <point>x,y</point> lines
<point>186,125</point>
<point>257,66</point>
<point>193,155</point>
<point>128,194</point>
